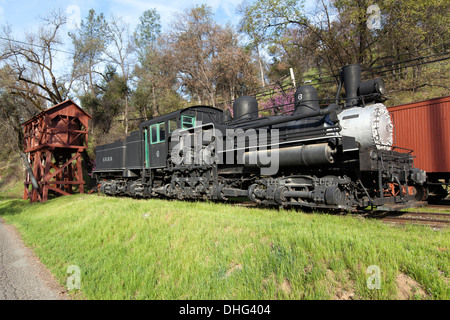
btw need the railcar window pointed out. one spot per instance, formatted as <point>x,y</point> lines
<point>162,132</point>
<point>158,133</point>
<point>187,122</point>
<point>154,133</point>
<point>172,125</point>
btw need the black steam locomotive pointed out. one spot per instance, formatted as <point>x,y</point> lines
<point>337,157</point>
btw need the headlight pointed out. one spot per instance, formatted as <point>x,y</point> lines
<point>371,87</point>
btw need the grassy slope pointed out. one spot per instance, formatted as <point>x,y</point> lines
<point>159,249</point>
<point>11,175</point>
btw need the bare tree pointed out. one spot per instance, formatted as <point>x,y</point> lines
<point>31,63</point>
<point>157,84</point>
<point>257,37</point>
<point>120,52</point>
<point>205,54</point>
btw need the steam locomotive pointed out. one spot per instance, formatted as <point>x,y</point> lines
<point>335,158</point>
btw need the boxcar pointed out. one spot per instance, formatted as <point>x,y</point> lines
<point>424,127</point>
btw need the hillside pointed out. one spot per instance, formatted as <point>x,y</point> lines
<point>161,249</point>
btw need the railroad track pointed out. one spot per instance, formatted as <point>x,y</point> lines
<point>431,218</point>
<point>438,206</point>
<point>434,219</point>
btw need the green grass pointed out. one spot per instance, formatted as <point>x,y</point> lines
<point>12,190</point>
<point>11,178</point>
<point>160,249</point>
<point>428,210</point>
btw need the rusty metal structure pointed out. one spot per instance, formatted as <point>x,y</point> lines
<point>54,143</point>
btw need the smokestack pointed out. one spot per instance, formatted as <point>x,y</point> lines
<point>306,100</point>
<point>245,107</point>
<point>351,76</point>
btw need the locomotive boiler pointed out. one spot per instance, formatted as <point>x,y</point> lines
<point>339,157</point>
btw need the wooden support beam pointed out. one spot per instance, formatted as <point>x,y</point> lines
<point>58,190</point>
<point>80,172</point>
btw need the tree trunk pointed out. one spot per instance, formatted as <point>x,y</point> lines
<point>90,80</point>
<point>126,116</point>
<point>261,70</point>
<point>155,112</point>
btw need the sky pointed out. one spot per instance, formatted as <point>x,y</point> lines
<point>24,15</point>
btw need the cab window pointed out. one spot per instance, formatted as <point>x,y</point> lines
<point>157,133</point>
<point>172,125</point>
<point>187,122</point>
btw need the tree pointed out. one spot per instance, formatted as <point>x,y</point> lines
<point>236,74</point>
<point>257,37</point>
<point>30,64</point>
<point>90,42</point>
<point>120,52</point>
<point>267,20</point>
<point>283,26</point>
<point>157,85</point>
<point>334,36</point>
<point>202,51</point>
<point>147,32</point>
<point>145,37</point>
<point>106,105</point>
<point>341,32</point>
<point>14,109</point>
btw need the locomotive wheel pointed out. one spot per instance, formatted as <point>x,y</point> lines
<point>251,194</point>
<point>421,193</point>
<point>279,195</point>
<point>333,195</point>
<point>436,193</point>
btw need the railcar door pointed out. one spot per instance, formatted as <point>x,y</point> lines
<point>157,154</point>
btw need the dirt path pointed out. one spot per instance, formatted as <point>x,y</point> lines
<point>22,276</point>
